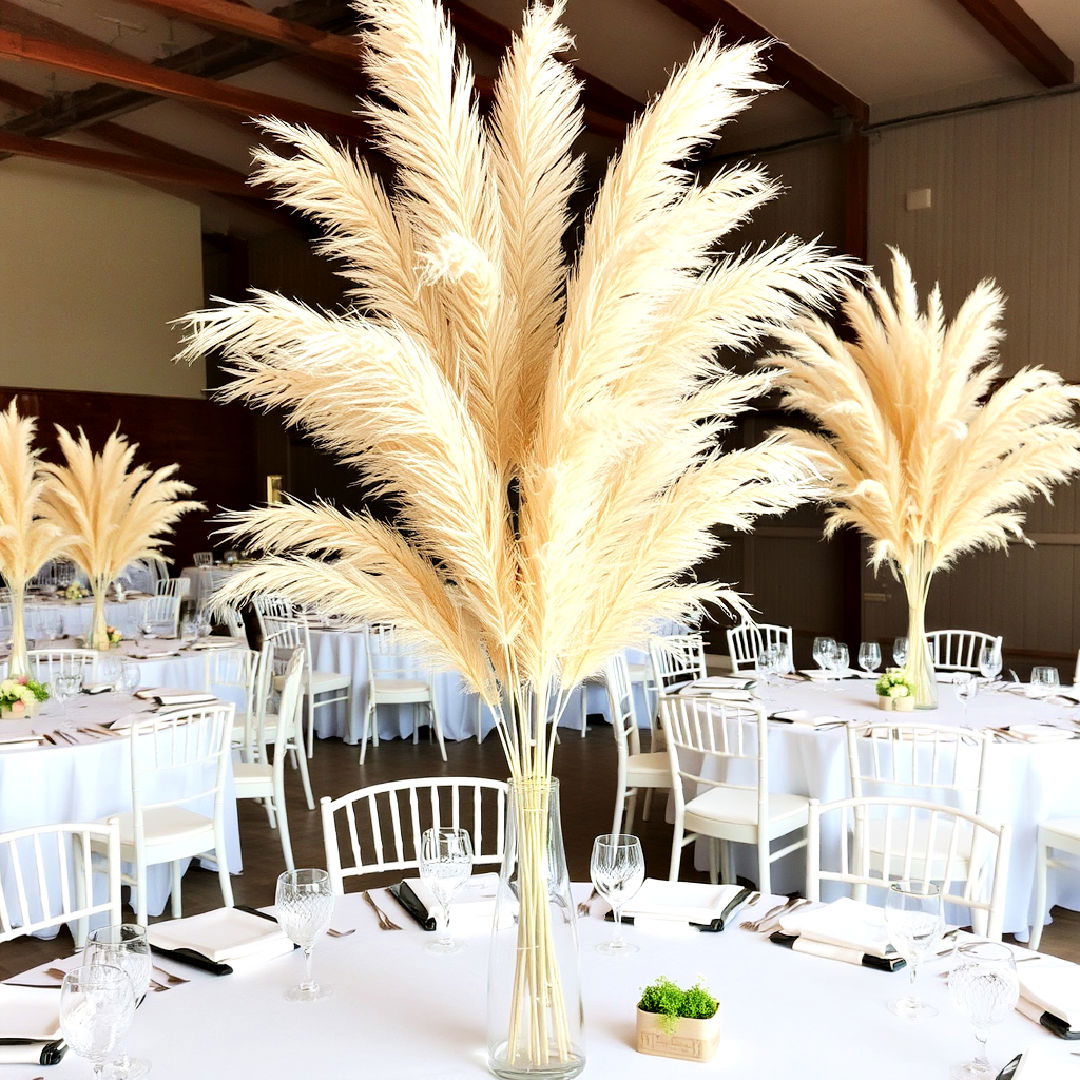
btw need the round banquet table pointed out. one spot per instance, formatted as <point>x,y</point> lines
<point>86,782</point>
<point>78,614</point>
<point>400,1013</point>
<point>1025,783</point>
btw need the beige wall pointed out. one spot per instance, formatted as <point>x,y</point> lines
<point>92,269</point>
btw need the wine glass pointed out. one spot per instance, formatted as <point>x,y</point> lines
<point>66,684</point>
<point>109,668</point>
<point>823,648</point>
<point>965,687</point>
<point>52,623</point>
<point>1044,681</point>
<point>124,946</point>
<point>446,857</point>
<point>617,870</point>
<point>899,651</point>
<point>915,918</point>
<point>97,1005</point>
<point>839,661</point>
<point>869,656</point>
<point>990,661</point>
<point>189,632</point>
<point>984,986</point>
<point>765,666</point>
<point>305,906</point>
<point>129,677</point>
<point>204,625</point>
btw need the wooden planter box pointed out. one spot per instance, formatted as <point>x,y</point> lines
<point>693,1040</point>
<point>896,704</point>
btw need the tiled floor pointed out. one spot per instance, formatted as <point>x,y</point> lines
<point>586,768</point>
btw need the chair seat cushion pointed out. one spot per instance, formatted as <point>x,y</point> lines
<point>1066,827</point>
<point>164,823</point>
<point>739,806</point>
<point>648,770</point>
<point>247,776</point>
<point>402,690</point>
<point>640,672</point>
<point>324,681</point>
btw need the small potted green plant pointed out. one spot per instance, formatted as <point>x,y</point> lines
<point>895,692</point>
<point>677,1023</point>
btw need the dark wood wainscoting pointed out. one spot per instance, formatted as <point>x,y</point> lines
<point>213,445</point>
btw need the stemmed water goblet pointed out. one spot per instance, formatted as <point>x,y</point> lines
<point>984,986</point>
<point>965,687</point>
<point>899,651</point>
<point>840,661</point>
<point>189,633</point>
<point>109,668</point>
<point>304,905</point>
<point>446,858</point>
<point>618,871</point>
<point>768,664</point>
<point>869,656</point>
<point>1044,681</point>
<point>990,661</point>
<point>97,1006</point>
<point>915,919</point>
<point>823,651</point>
<point>129,677</point>
<point>66,683</point>
<point>124,946</point>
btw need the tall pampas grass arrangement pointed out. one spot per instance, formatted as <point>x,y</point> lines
<point>28,539</point>
<point>113,511</point>
<point>549,434</point>
<point>923,448</point>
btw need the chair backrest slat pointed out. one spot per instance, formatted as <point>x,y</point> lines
<point>959,650</point>
<point>676,659</point>
<point>748,640</point>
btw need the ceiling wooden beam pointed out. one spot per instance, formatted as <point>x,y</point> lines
<point>217,179</point>
<point>1022,36</point>
<point>250,22</point>
<point>782,63</point>
<point>161,82</point>
<point>600,98</point>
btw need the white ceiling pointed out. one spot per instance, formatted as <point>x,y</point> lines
<point>884,51</point>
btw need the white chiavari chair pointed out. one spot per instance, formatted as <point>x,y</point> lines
<point>708,739</point>
<point>959,650</point>
<point>230,675</point>
<point>274,607</point>
<point>184,753</point>
<point>397,676</point>
<point>176,586</point>
<point>676,659</point>
<point>46,664</point>
<point>47,878</point>
<point>384,823</point>
<point>265,779</point>
<point>635,770</point>
<point>321,688</point>
<point>163,612</point>
<point>922,841</point>
<point>1061,835</point>
<point>748,640</point>
<point>203,558</point>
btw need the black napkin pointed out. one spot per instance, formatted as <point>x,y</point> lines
<point>714,926</point>
<point>413,905</point>
<point>879,963</point>
<point>1010,1070</point>
<point>1058,1026</point>
<point>52,1053</point>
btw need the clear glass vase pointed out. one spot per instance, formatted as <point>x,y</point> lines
<point>535,1020</point>
<point>919,667</point>
<point>17,661</point>
<point>98,638</point>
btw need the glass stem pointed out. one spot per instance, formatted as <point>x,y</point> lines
<point>913,964</point>
<point>981,1035</point>
<point>309,981</point>
<point>616,936</point>
<point>446,922</point>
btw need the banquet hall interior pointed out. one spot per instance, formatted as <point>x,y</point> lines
<point>628,450</point>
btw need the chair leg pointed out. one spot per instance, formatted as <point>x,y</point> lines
<point>283,819</point>
<point>310,726</point>
<point>479,721</point>
<point>371,717</point>
<point>714,856</point>
<point>647,804</point>
<point>631,809</point>
<point>584,716</point>
<point>305,779</point>
<point>174,897</point>
<point>436,723</point>
<point>223,864</point>
<point>727,862</point>
<point>141,914</point>
<point>82,926</point>
<point>1042,857</point>
<point>268,803</point>
<point>676,848</point>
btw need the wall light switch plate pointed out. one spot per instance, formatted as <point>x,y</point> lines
<point>918,199</point>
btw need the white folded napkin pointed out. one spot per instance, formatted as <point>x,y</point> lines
<point>154,654</point>
<point>950,676</point>
<point>817,673</point>
<point>807,719</point>
<point>1052,988</point>
<point>1045,1061</point>
<point>1037,733</point>
<point>224,935</point>
<point>845,924</point>
<point>717,693</point>
<point>724,682</point>
<point>29,1012</point>
<point>214,643</point>
<point>165,696</point>
<point>828,952</point>
<point>473,907</point>
<point>680,901</point>
<point>97,688</point>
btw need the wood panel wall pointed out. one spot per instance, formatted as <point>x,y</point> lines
<point>213,444</point>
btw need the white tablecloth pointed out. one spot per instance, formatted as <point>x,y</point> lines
<point>78,614</point>
<point>87,782</point>
<point>401,1013</point>
<point>1025,784</point>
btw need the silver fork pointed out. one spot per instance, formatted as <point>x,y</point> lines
<point>331,932</point>
<point>752,924</point>
<point>771,924</point>
<point>385,922</point>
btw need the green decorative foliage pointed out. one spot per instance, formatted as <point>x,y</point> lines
<point>894,684</point>
<point>671,1003</point>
